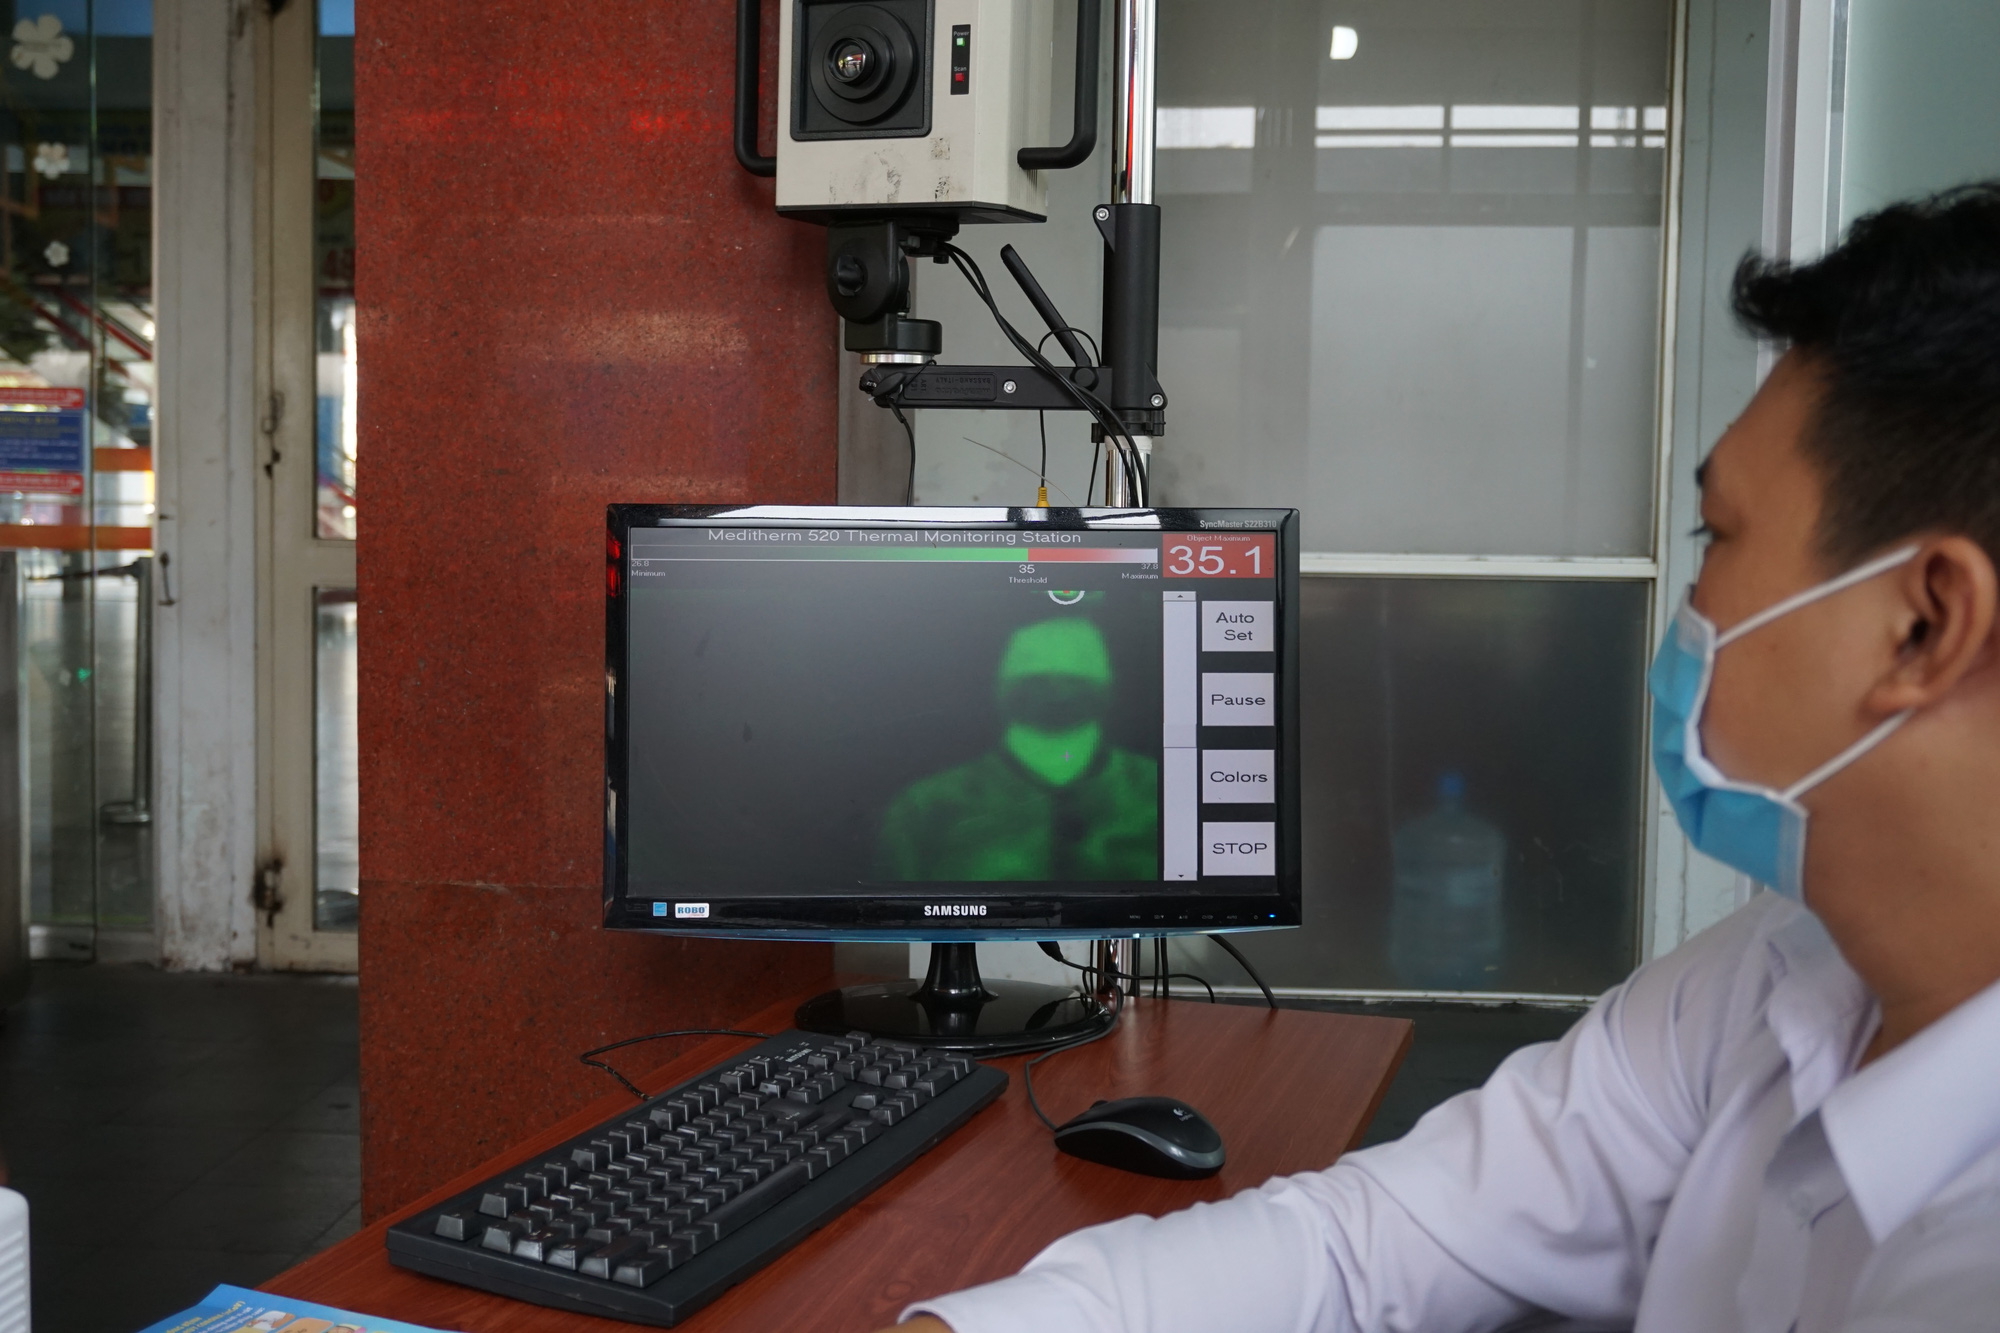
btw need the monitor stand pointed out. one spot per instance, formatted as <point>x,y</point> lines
<point>953,1008</point>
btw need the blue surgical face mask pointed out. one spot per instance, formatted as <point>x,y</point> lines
<point>1759,831</point>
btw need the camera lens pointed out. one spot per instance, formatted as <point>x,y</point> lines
<point>850,61</point>
<point>861,62</point>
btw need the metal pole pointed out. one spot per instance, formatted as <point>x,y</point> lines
<point>14,832</point>
<point>1132,257</point>
<point>1133,115</point>
<point>139,810</point>
<point>1133,120</point>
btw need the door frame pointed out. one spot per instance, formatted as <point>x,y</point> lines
<point>293,561</point>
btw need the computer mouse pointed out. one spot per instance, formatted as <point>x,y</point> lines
<point>1154,1136</point>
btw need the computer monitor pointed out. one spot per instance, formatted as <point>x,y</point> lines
<point>951,725</point>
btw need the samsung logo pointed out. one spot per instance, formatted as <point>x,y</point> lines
<point>955,909</point>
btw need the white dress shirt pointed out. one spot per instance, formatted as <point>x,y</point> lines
<point>1698,1155</point>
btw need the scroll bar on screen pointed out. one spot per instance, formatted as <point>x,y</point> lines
<point>1180,759</point>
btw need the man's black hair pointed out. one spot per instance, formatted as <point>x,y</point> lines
<point>1902,321</point>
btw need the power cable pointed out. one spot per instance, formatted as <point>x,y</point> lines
<point>1054,950</point>
<point>1115,431</point>
<point>1237,954</point>
<point>1028,1069</point>
<point>587,1056</point>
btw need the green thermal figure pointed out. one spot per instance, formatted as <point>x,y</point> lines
<point>1052,800</point>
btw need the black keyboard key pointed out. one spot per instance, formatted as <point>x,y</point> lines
<point>600,1262</point>
<point>569,1254</point>
<point>535,1246</point>
<point>591,1158</point>
<point>890,1113</point>
<point>494,1203</point>
<point>502,1235</point>
<point>463,1224</point>
<point>642,1270</point>
<point>899,1079</point>
<point>754,1203</point>
<point>610,1229</point>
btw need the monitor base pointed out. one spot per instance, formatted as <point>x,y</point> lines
<point>953,1008</point>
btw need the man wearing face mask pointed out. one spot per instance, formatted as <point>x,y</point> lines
<point>1792,1123</point>
<point>1055,800</point>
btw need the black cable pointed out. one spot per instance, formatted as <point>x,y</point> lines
<point>1115,430</point>
<point>656,1036</point>
<point>1042,418</point>
<point>909,483</point>
<point>1054,951</point>
<point>1042,421</point>
<point>1237,954</point>
<point>1096,357</point>
<point>1028,1069</point>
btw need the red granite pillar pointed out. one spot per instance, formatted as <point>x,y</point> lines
<point>570,295</point>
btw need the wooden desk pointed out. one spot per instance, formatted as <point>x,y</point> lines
<point>1289,1090</point>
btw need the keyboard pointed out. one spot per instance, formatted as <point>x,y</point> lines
<point>655,1212</point>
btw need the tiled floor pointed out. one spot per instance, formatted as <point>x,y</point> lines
<point>172,1131</point>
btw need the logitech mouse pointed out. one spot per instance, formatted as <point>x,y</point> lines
<point>1154,1136</point>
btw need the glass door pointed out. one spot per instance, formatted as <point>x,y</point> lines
<point>309,881</point>
<point>76,484</point>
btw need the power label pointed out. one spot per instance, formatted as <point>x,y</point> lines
<point>961,58</point>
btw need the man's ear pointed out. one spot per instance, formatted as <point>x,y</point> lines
<point>1944,623</point>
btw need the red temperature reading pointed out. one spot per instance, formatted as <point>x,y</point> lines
<point>1219,555</point>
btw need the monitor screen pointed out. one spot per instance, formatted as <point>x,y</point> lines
<point>951,723</point>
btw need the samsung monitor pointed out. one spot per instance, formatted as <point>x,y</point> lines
<point>951,725</point>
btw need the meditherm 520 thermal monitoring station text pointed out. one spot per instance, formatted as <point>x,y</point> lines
<point>942,724</point>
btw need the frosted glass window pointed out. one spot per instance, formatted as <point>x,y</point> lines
<point>1922,99</point>
<point>1421,304</point>
<point>1473,761</point>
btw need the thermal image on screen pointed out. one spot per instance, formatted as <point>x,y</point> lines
<point>891,709</point>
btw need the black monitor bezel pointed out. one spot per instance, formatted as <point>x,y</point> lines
<point>1025,917</point>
